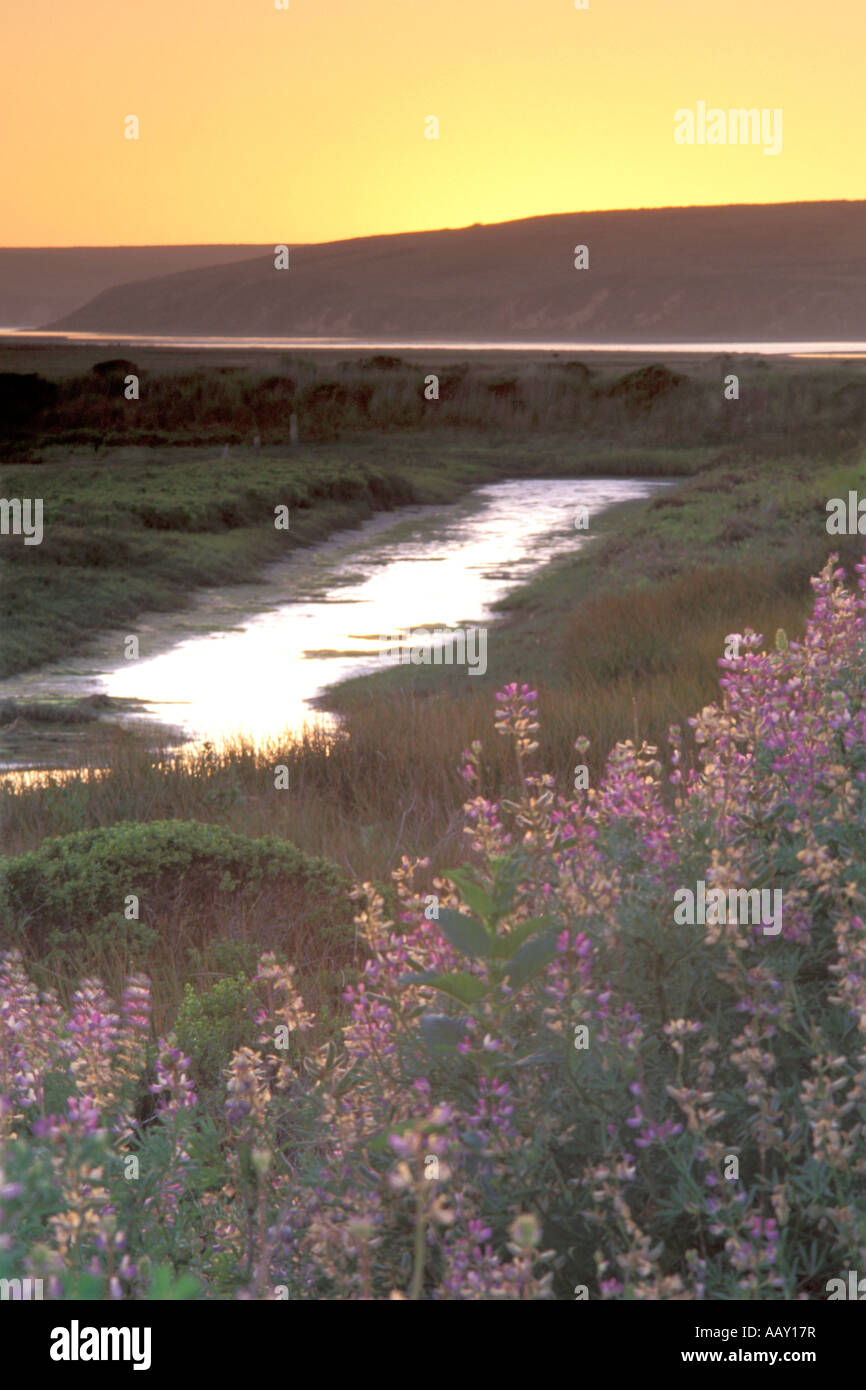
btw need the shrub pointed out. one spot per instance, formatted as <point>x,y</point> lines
<point>382,362</point>
<point>116,367</point>
<point>212,1024</point>
<point>641,388</point>
<point>505,389</point>
<point>548,1083</point>
<point>71,894</point>
<point>23,398</point>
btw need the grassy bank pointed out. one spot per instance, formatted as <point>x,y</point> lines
<point>146,499</point>
<point>134,528</point>
<point>620,640</point>
<point>624,637</point>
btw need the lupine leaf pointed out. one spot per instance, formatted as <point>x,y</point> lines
<point>466,933</point>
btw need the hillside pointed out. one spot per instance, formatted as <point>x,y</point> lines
<point>764,272</point>
<point>38,283</point>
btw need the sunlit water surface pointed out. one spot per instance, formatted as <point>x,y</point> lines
<point>319,617</point>
<point>803,348</point>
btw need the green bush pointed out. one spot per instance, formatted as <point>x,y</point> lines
<point>212,1024</point>
<point>191,880</point>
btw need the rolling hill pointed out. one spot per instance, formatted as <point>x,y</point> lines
<point>44,282</point>
<point>763,272</point>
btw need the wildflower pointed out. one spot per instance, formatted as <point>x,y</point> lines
<point>247,1091</point>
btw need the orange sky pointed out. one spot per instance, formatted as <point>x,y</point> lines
<point>263,125</point>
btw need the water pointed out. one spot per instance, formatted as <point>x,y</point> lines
<point>786,349</point>
<point>251,659</point>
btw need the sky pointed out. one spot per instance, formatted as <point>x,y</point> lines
<point>260,125</point>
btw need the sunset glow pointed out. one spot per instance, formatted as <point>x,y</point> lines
<point>308,124</point>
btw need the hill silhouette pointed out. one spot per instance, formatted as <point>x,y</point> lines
<point>38,283</point>
<point>764,272</point>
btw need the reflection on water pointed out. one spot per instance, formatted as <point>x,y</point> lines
<point>54,777</point>
<point>423,567</point>
<point>447,571</point>
<point>794,349</point>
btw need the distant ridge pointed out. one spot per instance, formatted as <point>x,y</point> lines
<point>770,272</point>
<point>43,282</point>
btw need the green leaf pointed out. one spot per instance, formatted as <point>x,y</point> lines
<point>467,988</point>
<point>466,933</point>
<point>421,977</point>
<point>442,1033</point>
<point>532,957</point>
<point>459,985</point>
<point>505,946</point>
<point>472,892</point>
<point>537,1058</point>
<point>508,871</point>
<point>347,1081</point>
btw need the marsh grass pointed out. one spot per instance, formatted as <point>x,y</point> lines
<point>142,504</point>
<point>192,402</point>
<point>388,785</point>
<point>620,641</point>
